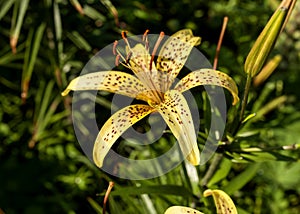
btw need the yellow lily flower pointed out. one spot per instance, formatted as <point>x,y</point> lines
<point>223,203</point>
<point>152,83</point>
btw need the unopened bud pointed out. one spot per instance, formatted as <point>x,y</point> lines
<point>267,39</point>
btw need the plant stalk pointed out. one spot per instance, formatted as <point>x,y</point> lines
<point>212,169</point>
<point>245,98</point>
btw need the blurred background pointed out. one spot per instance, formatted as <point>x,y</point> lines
<point>45,44</point>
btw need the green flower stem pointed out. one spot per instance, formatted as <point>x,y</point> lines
<point>212,169</point>
<point>245,98</point>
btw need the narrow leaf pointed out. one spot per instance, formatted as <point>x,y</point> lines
<point>93,13</point>
<point>112,9</point>
<point>242,179</point>
<point>152,189</point>
<point>79,41</point>
<point>221,173</point>
<point>77,6</point>
<point>16,26</point>
<point>30,57</point>
<point>5,6</point>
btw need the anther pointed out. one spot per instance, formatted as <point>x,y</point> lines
<point>145,40</point>
<point>124,36</point>
<point>145,35</point>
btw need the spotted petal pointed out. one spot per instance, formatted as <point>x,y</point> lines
<point>222,201</point>
<point>140,65</point>
<point>208,77</point>
<point>181,210</point>
<point>177,115</point>
<point>115,126</point>
<point>174,53</point>
<point>140,59</point>
<point>111,81</point>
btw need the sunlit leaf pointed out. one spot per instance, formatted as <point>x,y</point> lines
<point>242,179</point>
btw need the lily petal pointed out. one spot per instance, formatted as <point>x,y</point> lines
<point>222,201</point>
<point>115,126</point>
<point>208,77</point>
<point>140,65</point>
<point>140,59</point>
<point>111,81</point>
<point>177,115</point>
<point>181,210</point>
<point>174,53</point>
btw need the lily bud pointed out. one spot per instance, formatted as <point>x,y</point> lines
<point>267,70</point>
<point>267,39</point>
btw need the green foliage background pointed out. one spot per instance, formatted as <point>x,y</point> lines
<point>42,167</point>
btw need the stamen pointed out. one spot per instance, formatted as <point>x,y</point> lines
<point>115,48</point>
<point>124,36</point>
<point>225,21</point>
<point>145,40</point>
<point>161,36</point>
<point>128,57</point>
<point>117,60</point>
<point>145,36</point>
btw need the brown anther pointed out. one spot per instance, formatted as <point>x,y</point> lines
<point>124,35</point>
<point>145,35</point>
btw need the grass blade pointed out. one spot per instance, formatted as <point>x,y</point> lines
<point>16,26</point>
<point>30,57</point>
<point>5,6</point>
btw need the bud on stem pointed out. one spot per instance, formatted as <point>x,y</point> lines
<point>267,39</point>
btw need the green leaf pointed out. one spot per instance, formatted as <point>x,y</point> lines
<point>20,9</point>
<point>221,173</point>
<point>5,6</point>
<point>165,189</point>
<point>93,13</point>
<point>95,205</point>
<point>79,41</point>
<point>30,56</point>
<point>112,9</point>
<point>242,179</point>
<point>265,156</point>
<point>58,33</point>
<point>77,6</point>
